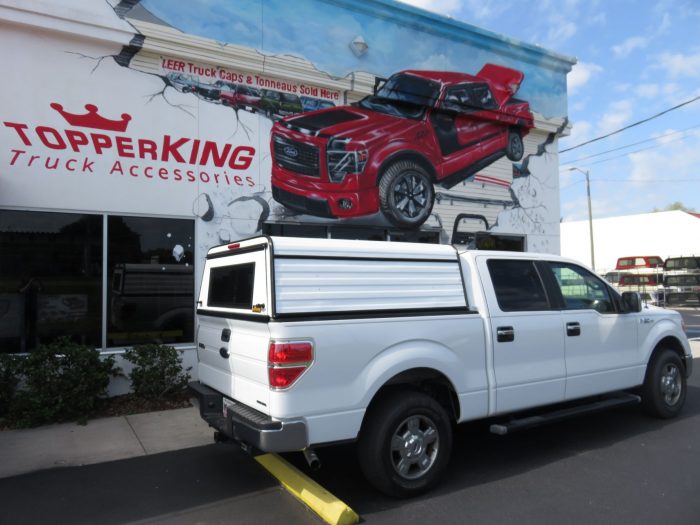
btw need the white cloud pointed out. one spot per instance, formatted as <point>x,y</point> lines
<point>561,31</point>
<point>675,160</point>
<point>647,90</point>
<point>581,73</point>
<point>629,45</point>
<point>581,131</point>
<point>678,65</point>
<point>617,115</point>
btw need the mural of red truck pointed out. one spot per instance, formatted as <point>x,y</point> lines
<point>387,151</point>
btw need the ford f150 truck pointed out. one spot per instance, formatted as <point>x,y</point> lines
<point>310,342</point>
<point>420,128</point>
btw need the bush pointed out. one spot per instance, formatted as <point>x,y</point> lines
<point>62,381</point>
<point>157,371</point>
<point>9,379</point>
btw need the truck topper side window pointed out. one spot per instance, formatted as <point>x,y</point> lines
<point>517,285</point>
<point>581,289</point>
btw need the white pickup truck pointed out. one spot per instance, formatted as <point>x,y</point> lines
<point>310,342</point>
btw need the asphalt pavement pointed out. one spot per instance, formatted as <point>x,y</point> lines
<point>615,467</point>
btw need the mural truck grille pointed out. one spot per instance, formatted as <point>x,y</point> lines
<point>296,156</point>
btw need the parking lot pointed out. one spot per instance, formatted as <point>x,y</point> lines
<point>615,467</point>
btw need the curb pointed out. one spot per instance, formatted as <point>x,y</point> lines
<point>313,495</point>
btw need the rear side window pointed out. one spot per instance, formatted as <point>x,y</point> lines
<point>232,286</point>
<point>517,285</point>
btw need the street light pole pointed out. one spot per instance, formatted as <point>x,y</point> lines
<point>590,213</point>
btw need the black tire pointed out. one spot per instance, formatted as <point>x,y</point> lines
<point>664,389</point>
<point>515,148</point>
<point>406,194</point>
<point>405,443</point>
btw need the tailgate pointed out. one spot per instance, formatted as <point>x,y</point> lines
<point>232,334</point>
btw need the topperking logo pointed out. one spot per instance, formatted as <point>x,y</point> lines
<point>92,143</point>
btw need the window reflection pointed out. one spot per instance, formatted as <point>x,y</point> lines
<point>50,278</point>
<point>151,280</point>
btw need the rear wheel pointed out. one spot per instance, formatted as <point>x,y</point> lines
<point>515,148</point>
<point>406,194</point>
<point>664,389</point>
<point>405,443</point>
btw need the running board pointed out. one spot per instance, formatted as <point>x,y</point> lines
<point>559,415</point>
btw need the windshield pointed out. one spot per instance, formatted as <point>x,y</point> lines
<point>403,95</point>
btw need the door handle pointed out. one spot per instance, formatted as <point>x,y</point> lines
<point>226,335</point>
<point>573,329</point>
<point>505,334</point>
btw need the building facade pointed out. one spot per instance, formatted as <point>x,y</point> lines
<point>137,135</point>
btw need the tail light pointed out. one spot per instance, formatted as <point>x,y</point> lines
<point>287,361</point>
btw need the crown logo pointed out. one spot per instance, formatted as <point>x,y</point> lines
<point>92,119</point>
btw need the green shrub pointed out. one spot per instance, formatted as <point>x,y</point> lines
<point>9,379</point>
<point>157,371</point>
<point>62,381</point>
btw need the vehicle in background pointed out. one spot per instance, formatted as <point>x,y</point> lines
<point>682,288</point>
<point>224,87</point>
<point>148,297</point>
<point>208,91</point>
<point>613,277</point>
<point>313,104</point>
<point>674,265</point>
<point>180,82</point>
<point>277,104</point>
<point>243,97</point>
<point>639,263</point>
<point>646,285</point>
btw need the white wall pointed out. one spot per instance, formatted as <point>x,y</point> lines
<point>666,234</point>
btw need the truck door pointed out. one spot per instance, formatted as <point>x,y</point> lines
<point>528,344</point>
<point>602,353</point>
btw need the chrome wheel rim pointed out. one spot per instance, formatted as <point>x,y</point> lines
<point>414,447</point>
<point>671,384</point>
<point>411,195</point>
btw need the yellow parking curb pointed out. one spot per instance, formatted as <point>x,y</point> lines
<point>318,499</point>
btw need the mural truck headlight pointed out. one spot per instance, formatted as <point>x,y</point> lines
<point>342,162</point>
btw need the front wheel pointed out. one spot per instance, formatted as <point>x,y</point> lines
<point>664,389</point>
<point>405,443</point>
<point>406,194</point>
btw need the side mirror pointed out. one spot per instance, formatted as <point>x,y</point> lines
<point>631,302</point>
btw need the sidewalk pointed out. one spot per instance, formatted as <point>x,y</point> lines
<point>108,439</point>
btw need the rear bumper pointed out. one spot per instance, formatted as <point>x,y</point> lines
<point>246,425</point>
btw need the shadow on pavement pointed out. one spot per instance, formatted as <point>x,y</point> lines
<point>210,484</point>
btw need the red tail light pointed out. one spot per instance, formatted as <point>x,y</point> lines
<point>287,361</point>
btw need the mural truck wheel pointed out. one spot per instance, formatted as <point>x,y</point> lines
<point>515,148</point>
<point>406,194</point>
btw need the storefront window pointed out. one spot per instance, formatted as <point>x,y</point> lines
<point>150,281</point>
<point>50,279</point>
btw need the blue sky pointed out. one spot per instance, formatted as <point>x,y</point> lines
<point>635,58</point>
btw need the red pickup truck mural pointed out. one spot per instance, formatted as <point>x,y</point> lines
<point>387,151</point>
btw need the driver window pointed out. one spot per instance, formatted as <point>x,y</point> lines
<point>482,97</point>
<point>581,289</point>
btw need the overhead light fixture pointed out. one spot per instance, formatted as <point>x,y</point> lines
<point>358,46</point>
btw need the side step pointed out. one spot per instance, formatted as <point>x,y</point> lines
<point>565,413</point>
